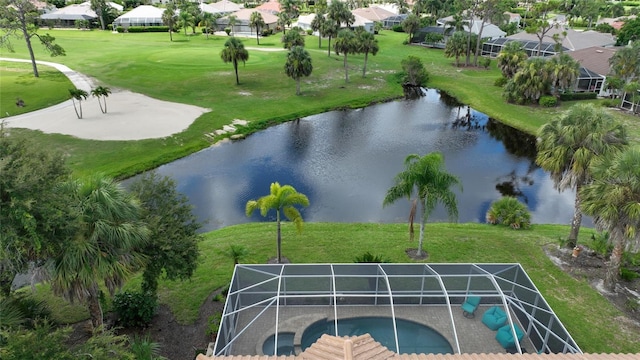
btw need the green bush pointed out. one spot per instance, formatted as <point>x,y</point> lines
<point>501,81</point>
<point>627,274</point>
<point>610,103</point>
<point>600,244</point>
<point>309,32</point>
<point>548,101</point>
<point>578,96</point>
<point>369,258</point>
<point>485,62</point>
<point>143,29</point>
<point>510,212</point>
<point>134,308</point>
<point>397,28</point>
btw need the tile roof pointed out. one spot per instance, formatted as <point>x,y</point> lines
<point>595,58</point>
<point>373,13</point>
<point>574,40</point>
<point>364,347</point>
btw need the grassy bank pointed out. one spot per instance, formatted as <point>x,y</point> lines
<point>586,314</point>
<point>189,70</point>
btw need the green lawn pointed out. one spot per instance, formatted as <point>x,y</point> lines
<point>17,81</point>
<point>189,70</point>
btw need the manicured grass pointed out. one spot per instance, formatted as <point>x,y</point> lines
<point>17,81</point>
<point>189,70</point>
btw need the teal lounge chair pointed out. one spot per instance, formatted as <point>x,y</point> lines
<point>505,336</point>
<point>494,318</point>
<point>470,305</point>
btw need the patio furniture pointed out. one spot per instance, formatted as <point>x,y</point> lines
<point>505,336</point>
<point>494,317</point>
<point>469,306</point>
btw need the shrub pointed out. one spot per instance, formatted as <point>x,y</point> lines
<point>627,274</point>
<point>578,96</point>
<point>397,28</point>
<point>501,81</point>
<point>610,103</point>
<point>266,32</point>
<point>134,308</point>
<point>485,62</point>
<point>369,258</point>
<point>548,101</point>
<point>309,32</point>
<point>510,212</point>
<point>143,347</point>
<point>227,30</point>
<point>213,324</point>
<point>600,243</point>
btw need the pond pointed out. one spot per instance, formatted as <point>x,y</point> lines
<point>345,161</point>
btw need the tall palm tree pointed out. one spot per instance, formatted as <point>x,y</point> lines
<point>456,46</point>
<point>256,21</point>
<point>425,177</point>
<point>282,199</point>
<point>568,146</point>
<point>625,63</point>
<point>207,21</point>
<point>78,94</point>
<point>169,19</point>
<point>102,251</point>
<point>292,38</point>
<point>533,79</point>
<point>613,199</point>
<point>564,72</point>
<point>410,25</point>
<point>329,30</point>
<point>298,65</point>
<point>346,43</point>
<point>318,24</point>
<point>101,92</point>
<point>283,20</point>
<point>367,44</point>
<point>233,52</point>
<point>233,21</point>
<point>339,13</point>
<point>185,19</point>
<point>511,58</point>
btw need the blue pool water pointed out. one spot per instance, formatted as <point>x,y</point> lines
<point>412,337</point>
<point>285,344</point>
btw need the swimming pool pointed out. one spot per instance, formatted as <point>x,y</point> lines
<point>285,344</point>
<point>412,337</point>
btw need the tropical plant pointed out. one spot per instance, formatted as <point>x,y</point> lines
<point>232,22</point>
<point>339,13</point>
<point>613,199</point>
<point>172,250</point>
<point>426,178</point>
<point>414,72</point>
<point>99,7</point>
<point>143,347</point>
<point>367,44</point>
<point>568,146</point>
<point>283,20</point>
<point>169,19</point>
<point>346,43</point>
<point>298,64</point>
<point>101,92</point>
<point>367,257</point>
<point>103,248</point>
<point>207,22</point>
<point>530,82</point>
<point>629,32</point>
<point>292,38</point>
<point>410,25</point>
<point>234,52</point>
<point>135,308</point>
<point>236,252</point>
<point>18,18</point>
<point>509,212</point>
<point>456,46</point>
<point>256,21</point>
<point>564,72</point>
<point>330,30</point>
<point>79,95</point>
<point>283,200</point>
<point>318,24</point>
<point>185,20</point>
<point>511,58</point>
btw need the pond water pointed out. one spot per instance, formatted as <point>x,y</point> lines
<point>345,161</point>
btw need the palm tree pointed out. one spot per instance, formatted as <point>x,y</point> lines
<point>410,25</point>
<point>169,19</point>
<point>532,80</point>
<point>318,24</point>
<point>564,72</point>
<point>339,13</point>
<point>329,30</point>
<point>208,20</point>
<point>236,252</point>
<point>456,46</point>
<point>233,52</point>
<point>282,199</point>
<point>367,43</point>
<point>625,63</point>
<point>425,177</point>
<point>298,64</point>
<point>283,20</point>
<point>185,19</point>
<point>511,58</point>
<point>101,92</point>
<point>568,146</point>
<point>346,43</point>
<point>256,21</point>
<point>102,251</point>
<point>292,38</point>
<point>613,199</point>
<point>233,20</point>
<point>78,94</point>
<point>456,24</point>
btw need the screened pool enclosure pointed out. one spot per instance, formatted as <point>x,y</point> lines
<point>283,308</point>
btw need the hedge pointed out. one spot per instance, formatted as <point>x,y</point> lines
<point>578,96</point>
<point>141,29</point>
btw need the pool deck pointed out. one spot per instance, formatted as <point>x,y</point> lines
<point>473,335</point>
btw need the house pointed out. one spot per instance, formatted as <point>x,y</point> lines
<point>304,22</point>
<point>363,22</point>
<point>489,30</point>
<point>68,15</point>
<point>243,18</point>
<point>571,39</point>
<point>223,7</point>
<point>143,15</point>
<point>271,6</point>
<point>376,14</point>
<point>596,60</point>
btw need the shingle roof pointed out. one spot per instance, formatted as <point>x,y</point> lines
<point>574,40</point>
<point>374,13</point>
<point>595,58</point>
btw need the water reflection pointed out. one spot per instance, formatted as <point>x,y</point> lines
<point>344,161</point>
